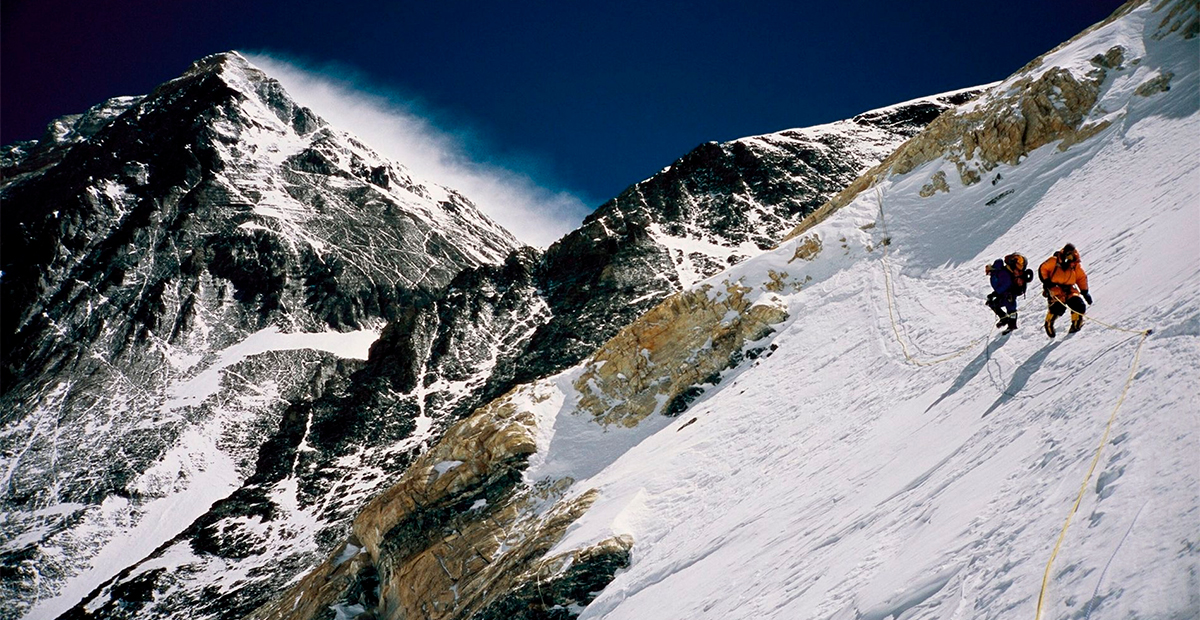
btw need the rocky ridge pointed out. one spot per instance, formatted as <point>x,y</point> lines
<point>1041,104</point>
<point>724,202</point>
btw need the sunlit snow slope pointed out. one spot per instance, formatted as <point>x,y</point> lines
<point>834,429</point>
<point>835,479</point>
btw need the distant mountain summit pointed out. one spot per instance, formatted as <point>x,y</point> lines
<point>163,258</point>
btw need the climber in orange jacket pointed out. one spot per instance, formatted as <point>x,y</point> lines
<point>1064,284</point>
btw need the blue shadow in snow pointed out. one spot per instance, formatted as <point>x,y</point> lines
<point>1022,374</point>
<point>970,371</point>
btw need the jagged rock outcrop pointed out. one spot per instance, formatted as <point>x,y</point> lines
<point>656,364</point>
<point>1039,111</point>
<point>430,543</point>
<point>153,246</point>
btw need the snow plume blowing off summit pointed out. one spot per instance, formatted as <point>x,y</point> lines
<point>400,130</point>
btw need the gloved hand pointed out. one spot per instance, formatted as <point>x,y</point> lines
<point>1086,297</point>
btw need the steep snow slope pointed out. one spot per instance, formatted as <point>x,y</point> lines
<point>855,440</point>
<point>835,480</point>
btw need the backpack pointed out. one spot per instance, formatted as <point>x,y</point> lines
<point>1016,264</point>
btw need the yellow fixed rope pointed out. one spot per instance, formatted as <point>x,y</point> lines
<point>1145,333</point>
<point>1095,460</point>
<point>888,287</point>
<point>1092,319</point>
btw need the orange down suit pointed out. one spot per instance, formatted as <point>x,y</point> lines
<point>1062,282</point>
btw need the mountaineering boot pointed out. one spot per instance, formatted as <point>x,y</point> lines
<point>994,304</point>
<point>1049,324</point>
<point>1011,322</point>
<point>1076,322</point>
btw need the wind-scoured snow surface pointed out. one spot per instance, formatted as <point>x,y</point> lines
<point>834,479</point>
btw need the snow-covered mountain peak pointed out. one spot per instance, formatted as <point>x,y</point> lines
<point>230,65</point>
<point>252,86</point>
<point>178,268</point>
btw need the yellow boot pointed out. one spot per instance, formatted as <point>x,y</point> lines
<point>1076,322</point>
<point>1049,324</point>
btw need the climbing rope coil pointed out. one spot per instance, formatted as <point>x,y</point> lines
<point>1145,333</point>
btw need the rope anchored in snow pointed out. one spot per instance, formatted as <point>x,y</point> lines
<point>1088,317</point>
<point>890,293</point>
<point>1095,459</point>
<point>1145,333</point>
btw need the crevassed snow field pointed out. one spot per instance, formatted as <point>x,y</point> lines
<point>834,479</point>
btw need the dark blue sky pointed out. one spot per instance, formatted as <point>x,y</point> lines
<point>597,96</point>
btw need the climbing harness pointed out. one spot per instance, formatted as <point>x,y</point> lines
<point>1145,333</point>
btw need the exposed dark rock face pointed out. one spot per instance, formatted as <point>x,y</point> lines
<point>153,239</point>
<point>332,452</point>
<point>559,597</point>
<point>341,431</point>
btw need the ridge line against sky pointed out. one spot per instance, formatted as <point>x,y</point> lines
<point>403,130</point>
<point>584,101</point>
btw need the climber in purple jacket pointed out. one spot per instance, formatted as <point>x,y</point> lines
<point>1009,277</point>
